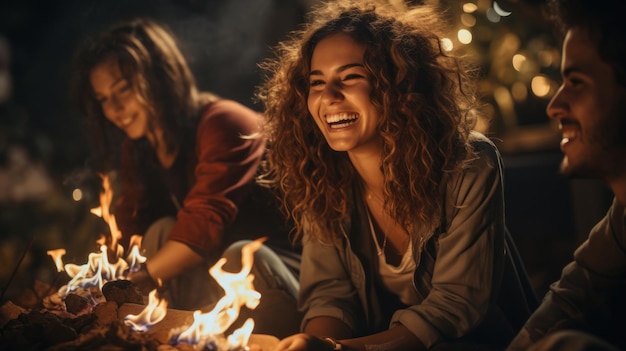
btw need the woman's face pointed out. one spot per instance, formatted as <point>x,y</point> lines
<point>118,100</point>
<point>339,95</point>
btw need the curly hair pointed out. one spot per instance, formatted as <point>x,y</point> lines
<point>604,21</point>
<point>425,97</point>
<point>151,62</point>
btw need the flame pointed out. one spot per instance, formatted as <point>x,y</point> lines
<point>241,336</point>
<point>152,314</point>
<point>103,211</point>
<point>210,327</point>
<point>57,257</point>
<point>96,272</point>
<point>108,264</point>
<point>207,328</point>
<point>135,259</point>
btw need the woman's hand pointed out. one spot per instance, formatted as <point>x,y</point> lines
<point>142,279</point>
<point>303,342</point>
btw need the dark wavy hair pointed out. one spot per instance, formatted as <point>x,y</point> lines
<point>152,63</point>
<point>603,20</point>
<point>424,94</point>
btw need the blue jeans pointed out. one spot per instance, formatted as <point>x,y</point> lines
<point>277,312</point>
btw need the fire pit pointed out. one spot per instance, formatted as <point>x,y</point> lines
<point>104,325</point>
<point>98,309</point>
<point>103,328</point>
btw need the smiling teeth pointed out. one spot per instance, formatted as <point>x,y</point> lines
<point>569,134</point>
<point>341,117</point>
<point>126,121</point>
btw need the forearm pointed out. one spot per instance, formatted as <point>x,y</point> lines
<point>328,326</point>
<point>319,330</point>
<point>171,260</point>
<point>397,338</point>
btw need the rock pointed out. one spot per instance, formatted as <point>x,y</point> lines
<point>35,331</point>
<point>106,312</point>
<point>122,291</point>
<point>9,311</point>
<point>77,304</point>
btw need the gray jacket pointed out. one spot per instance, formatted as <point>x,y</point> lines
<point>458,267</point>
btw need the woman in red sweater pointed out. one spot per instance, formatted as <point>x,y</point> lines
<point>187,159</point>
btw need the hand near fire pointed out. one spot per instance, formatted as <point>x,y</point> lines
<point>143,280</point>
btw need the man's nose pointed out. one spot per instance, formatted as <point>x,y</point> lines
<point>557,105</point>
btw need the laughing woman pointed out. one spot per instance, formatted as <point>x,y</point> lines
<point>398,203</point>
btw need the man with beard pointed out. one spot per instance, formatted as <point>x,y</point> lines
<point>586,308</point>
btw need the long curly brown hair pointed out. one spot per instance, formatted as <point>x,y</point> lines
<point>424,94</point>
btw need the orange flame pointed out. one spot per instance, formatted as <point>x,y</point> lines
<point>135,259</point>
<point>239,291</point>
<point>57,257</point>
<point>206,328</point>
<point>98,270</point>
<point>241,336</point>
<point>103,211</point>
<point>153,313</point>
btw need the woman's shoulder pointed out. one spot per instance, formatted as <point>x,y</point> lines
<point>483,165</point>
<point>482,173</point>
<point>228,108</point>
<point>481,143</point>
<point>226,125</point>
<point>485,152</point>
<point>226,114</point>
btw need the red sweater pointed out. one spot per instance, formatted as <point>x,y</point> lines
<point>211,178</point>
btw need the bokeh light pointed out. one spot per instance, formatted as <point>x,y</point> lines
<point>77,194</point>
<point>465,36</point>
<point>540,86</point>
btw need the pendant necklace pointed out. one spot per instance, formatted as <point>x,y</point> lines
<point>380,248</point>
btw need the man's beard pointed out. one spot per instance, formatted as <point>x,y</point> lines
<point>605,145</point>
<point>582,171</point>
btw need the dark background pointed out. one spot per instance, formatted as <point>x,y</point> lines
<point>44,153</point>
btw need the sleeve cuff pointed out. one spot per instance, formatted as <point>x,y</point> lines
<point>427,334</point>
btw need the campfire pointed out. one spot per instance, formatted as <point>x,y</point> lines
<point>99,308</point>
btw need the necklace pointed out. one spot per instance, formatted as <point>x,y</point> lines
<point>380,248</point>
<point>370,196</point>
